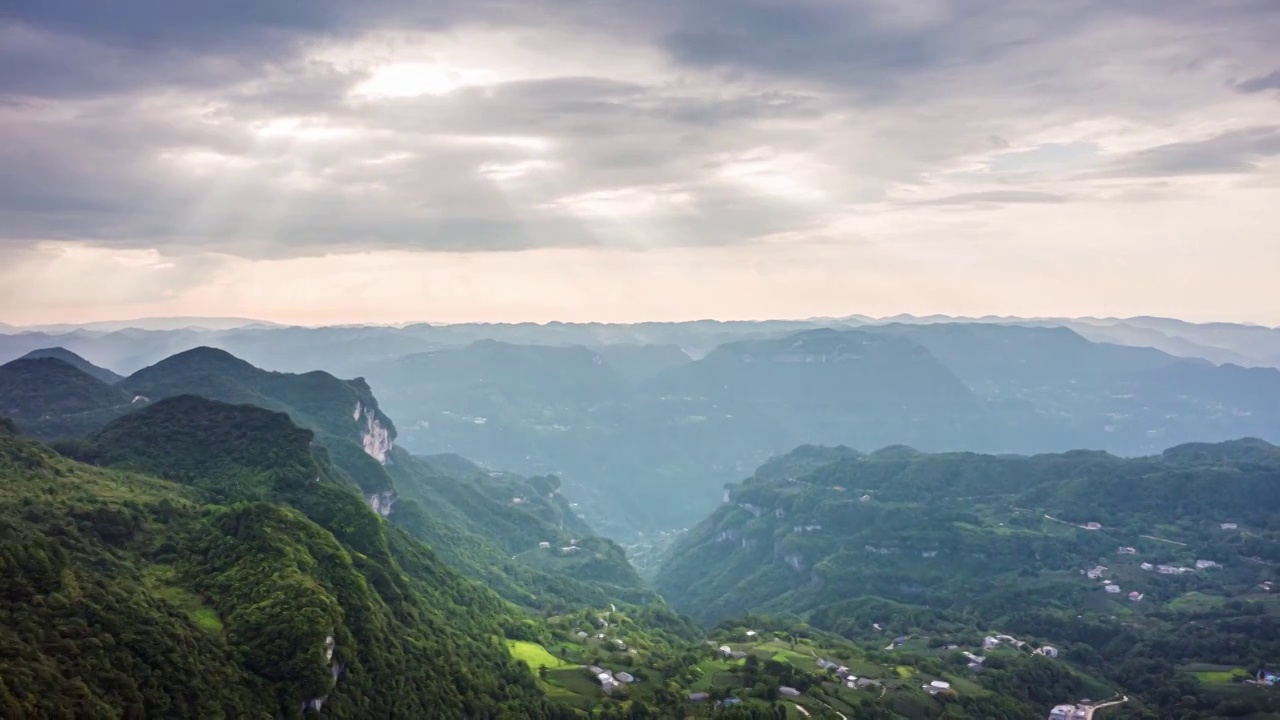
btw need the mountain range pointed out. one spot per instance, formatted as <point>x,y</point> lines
<point>644,423</point>
<point>274,543</point>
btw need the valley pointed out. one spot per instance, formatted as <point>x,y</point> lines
<point>218,499</point>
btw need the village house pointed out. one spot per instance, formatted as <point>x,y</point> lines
<point>698,696</point>
<point>1092,526</point>
<point>1135,596</point>
<point>544,545</point>
<point>864,683</point>
<point>788,691</point>
<point>595,670</point>
<point>1048,651</point>
<point>1096,572</point>
<point>1229,526</point>
<point>936,687</point>
<point>1113,589</point>
<point>569,550</point>
<point>989,642</point>
<point>725,650</point>
<point>623,677</point>
<point>842,671</point>
<point>1128,551</point>
<point>1146,566</point>
<point>825,664</point>
<point>1205,564</point>
<point>751,634</point>
<point>1068,712</point>
<point>582,635</point>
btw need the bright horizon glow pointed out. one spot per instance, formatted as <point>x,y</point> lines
<point>640,161</point>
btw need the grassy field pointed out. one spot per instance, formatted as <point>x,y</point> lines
<point>535,656</point>
<point>1215,674</point>
<point>1195,601</point>
<point>162,579</point>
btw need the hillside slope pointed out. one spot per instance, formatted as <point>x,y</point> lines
<point>294,597</point>
<point>924,528</point>
<point>50,398</point>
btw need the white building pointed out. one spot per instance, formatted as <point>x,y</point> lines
<point>1146,566</point>
<point>1113,589</point>
<point>788,691</point>
<point>1048,651</point>
<point>1203,564</point>
<point>544,545</point>
<point>1229,526</point>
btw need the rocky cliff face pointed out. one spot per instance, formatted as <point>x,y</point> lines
<point>381,502</point>
<point>374,436</point>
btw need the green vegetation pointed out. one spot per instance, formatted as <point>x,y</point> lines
<point>946,549</point>
<point>50,398</point>
<point>535,656</point>
<point>125,595</point>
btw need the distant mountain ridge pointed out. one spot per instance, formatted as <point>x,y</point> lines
<point>74,360</point>
<point>644,423</point>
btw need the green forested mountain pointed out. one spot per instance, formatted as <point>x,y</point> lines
<point>50,398</point>
<point>954,546</point>
<point>75,361</point>
<point>643,436</point>
<point>248,585</point>
<point>483,523</point>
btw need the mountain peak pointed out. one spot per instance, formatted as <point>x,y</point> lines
<point>74,360</point>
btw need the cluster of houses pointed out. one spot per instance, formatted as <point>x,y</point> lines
<point>847,678</point>
<point>609,681</point>
<point>1268,678</point>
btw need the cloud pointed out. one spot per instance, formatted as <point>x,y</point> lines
<point>1234,152</point>
<point>1270,81</point>
<point>283,129</point>
<point>996,196</point>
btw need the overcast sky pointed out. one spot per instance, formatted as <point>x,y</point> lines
<point>390,160</point>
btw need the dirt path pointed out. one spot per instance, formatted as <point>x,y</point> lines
<point>1167,540</point>
<point>1089,715</point>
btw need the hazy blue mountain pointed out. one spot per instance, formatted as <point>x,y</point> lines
<point>75,361</point>
<point>638,363</point>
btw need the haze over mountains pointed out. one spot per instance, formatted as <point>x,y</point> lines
<point>527,494</point>
<point>645,422</point>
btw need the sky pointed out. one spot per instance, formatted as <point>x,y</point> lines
<point>321,161</point>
